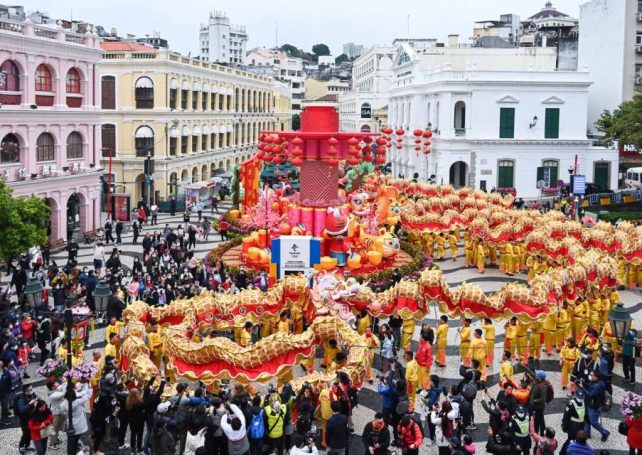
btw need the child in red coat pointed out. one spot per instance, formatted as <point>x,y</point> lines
<point>24,352</point>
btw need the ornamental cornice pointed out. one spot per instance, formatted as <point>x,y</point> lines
<point>547,142</point>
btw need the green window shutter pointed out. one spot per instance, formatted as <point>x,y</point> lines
<point>540,174</point>
<point>505,176</point>
<point>552,123</point>
<point>507,123</point>
<point>553,183</point>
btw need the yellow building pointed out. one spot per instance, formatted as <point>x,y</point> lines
<point>192,117</point>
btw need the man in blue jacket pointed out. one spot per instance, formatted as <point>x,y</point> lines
<point>336,436</point>
<point>594,391</point>
<point>385,391</point>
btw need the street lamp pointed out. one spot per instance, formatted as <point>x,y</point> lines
<point>620,321</point>
<point>33,291</point>
<point>72,444</point>
<point>101,294</point>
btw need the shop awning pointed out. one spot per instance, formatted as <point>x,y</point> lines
<point>200,185</point>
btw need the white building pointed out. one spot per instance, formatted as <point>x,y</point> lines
<point>283,68</point>
<point>371,76</point>
<point>501,118</point>
<point>352,50</point>
<point>610,49</point>
<point>222,42</point>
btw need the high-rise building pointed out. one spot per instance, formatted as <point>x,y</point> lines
<point>50,120</point>
<point>352,50</point>
<point>222,42</point>
<point>610,49</point>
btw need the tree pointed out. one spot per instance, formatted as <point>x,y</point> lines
<point>290,50</point>
<point>341,59</point>
<point>624,124</point>
<point>22,222</point>
<point>320,49</point>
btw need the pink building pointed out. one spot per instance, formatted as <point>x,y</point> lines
<point>50,121</point>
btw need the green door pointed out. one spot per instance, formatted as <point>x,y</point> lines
<point>601,175</point>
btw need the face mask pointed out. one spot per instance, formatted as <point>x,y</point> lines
<point>520,415</point>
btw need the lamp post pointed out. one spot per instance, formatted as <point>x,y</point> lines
<point>33,291</point>
<point>620,321</point>
<point>148,169</point>
<point>71,432</point>
<point>101,295</point>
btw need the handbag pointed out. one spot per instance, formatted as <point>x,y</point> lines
<point>623,428</point>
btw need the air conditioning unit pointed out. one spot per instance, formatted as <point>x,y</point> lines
<point>638,48</point>
<point>639,17</point>
<point>638,80</point>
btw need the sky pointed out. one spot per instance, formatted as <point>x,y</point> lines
<point>302,23</point>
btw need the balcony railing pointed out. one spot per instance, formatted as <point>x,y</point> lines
<point>638,48</point>
<point>460,132</point>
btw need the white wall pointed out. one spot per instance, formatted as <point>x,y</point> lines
<point>603,52</point>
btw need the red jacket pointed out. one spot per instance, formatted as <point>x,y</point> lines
<point>27,328</point>
<point>35,427</point>
<point>410,435</point>
<point>424,354</point>
<point>634,436</point>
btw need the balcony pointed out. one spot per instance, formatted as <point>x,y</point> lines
<point>638,48</point>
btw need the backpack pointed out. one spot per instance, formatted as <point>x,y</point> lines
<point>403,405</point>
<point>418,425</point>
<point>469,391</point>
<point>550,394</point>
<point>257,426</point>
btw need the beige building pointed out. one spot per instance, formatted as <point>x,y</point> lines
<point>191,117</point>
<point>315,89</point>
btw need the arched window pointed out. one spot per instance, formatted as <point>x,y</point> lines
<point>459,121</point>
<point>9,77</point>
<point>108,136</point>
<point>44,81</point>
<point>9,149</point>
<point>73,81</point>
<point>366,110</point>
<point>144,141</point>
<point>74,146</point>
<point>144,93</point>
<point>45,147</point>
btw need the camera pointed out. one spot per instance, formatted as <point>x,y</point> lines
<point>272,389</point>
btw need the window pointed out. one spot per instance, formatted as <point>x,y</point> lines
<point>204,142</point>
<point>505,174</point>
<point>9,149</point>
<point>74,146</point>
<point>144,141</point>
<point>43,79</point>
<point>459,121</point>
<point>507,123</point>
<point>144,93</point>
<point>194,100</point>
<point>172,145</point>
<point>172,98</point>
<point>638,39</point>
<point>45,147</point>
<point>204,97</point>
<point>108,89</point>
<point>184,94</point>
<point>552,123</point>
<point>9,77</point>
<point>194,143</point>
<point>73,81</point>
<point>366,110</point>
<point>184,141</point>
<point>108,136</point>
<point>549,173</point>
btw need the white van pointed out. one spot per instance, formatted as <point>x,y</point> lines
<point>633,178</point>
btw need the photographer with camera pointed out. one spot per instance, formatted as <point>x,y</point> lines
<point>376,436</point>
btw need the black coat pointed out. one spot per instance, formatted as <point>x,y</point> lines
<point>371,436</point>
<point>115,308</point>
<point>336,435</point>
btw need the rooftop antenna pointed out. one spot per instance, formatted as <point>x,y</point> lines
<point>276,34</point>
<point>408,26</point>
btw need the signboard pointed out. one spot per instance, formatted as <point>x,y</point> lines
<point>295,254</point>
<point>590,218</point>
<point>366,112</point>
<point>121,207</point>
<point>579,184</point>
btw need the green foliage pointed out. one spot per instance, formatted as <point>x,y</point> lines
<point>22,222</point>
<point>341,59</point>
<point>356,174</point>
<point>290,50</point>
<point>235,186</point>
<point>624,124</point>
<point>320,49</point>
<point>612,217</point>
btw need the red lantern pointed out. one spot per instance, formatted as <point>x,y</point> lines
<point>369,158</point>
<point>267,139</point>
<point>367,149</point>
<point>427,152</point>
<point>332,151</point>
<point>297,141</point>
<point>267,148</point>
<point>278,160</point>
<point>296,162</point>
<point>400,140</point>
<point>417,141</point>
<point>277,149</point>
<point>267,158</point>
<point>380,141</point>
<point>400,131</point>
<point>297,152</point>
<point>387,130</point>
<point>381,151</point>
<point>417,148</point>
<point>417,133</point>
<point>399,147</point>
<point>427,134</point>
<point>261,137</point>
<point>380,160</point>
<point>352,161</point>
<point>332,161</point>
<point>353,141</point>
<point>259,155</point>
<point>333,142</point>
<point>427,143</point>
<point>367,139</point>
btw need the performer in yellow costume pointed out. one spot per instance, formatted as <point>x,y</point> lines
<point>480,260</point>
<point>509,267</point>
<point>502,256</point>
<point>412,379</point>
<point>563,327</point>
<point>373,343</point>
<point>365,322</point>
<point>489,336</point>
<point>468,253</point>
<point>429,241</point>
<point>407,330</point>
<point>442,337</point>
<point>579,318</point>
<point>441,245</point>
<point>550,329</point>
<point>522,341</point>
<point>113,327</point>
<point>452,241</point>
<point>510,335</point>
<point>536,340</point>
<point>286,373</point>
<point>464,344</point>
<point>155,343</point>
<point>478,351</point>
<point>568,357</point>
<point>506,369</point>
